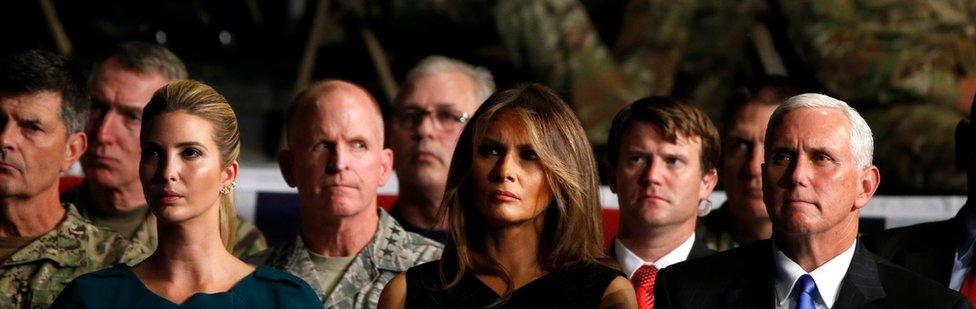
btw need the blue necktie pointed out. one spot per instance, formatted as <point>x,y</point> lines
<point>807,289</point>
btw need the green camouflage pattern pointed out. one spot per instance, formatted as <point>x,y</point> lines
<point>715,230</point>
<point>391,251</point>
<point>35,275</point>
<point>885,52</point>
<point>658,41</point>
<point>878,55</point>
<point>901,63</point>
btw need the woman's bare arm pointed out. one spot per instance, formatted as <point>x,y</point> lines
<point>620,294</point>
<point>394,295</point>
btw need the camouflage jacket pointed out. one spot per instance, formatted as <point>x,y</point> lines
<point>143,242</point>
<point>35,275</point>
<point>715,230</point>
<point>392,251</point>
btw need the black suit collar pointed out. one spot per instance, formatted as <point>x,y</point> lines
<point>861,284</point>
<point>754,285</point>
<point>935,258</point>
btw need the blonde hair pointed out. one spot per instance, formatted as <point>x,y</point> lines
<point>572,228</point>
<point>198,99</point>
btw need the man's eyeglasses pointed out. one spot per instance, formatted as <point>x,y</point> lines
<point>443,119</point>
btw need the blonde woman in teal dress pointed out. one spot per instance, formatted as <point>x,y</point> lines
<point>190,144</point>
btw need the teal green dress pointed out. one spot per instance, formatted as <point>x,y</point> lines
<point>118,287</point>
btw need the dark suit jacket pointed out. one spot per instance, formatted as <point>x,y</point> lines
<point>928,249</point>
<point>743,278</point>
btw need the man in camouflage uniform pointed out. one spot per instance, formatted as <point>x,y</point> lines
<point>43,244</point>
<point>348,248</point>
<point>111,195</point>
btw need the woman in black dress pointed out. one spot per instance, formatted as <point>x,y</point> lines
<point>522,202</point>
<point>190,144</point>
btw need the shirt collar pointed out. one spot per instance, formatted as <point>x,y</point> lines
<point>630,262</point>
<point>828,276</point>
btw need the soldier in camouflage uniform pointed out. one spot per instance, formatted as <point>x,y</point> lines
<point>111,195</point>
<point>393,250</point>
<point>43,244</point>
<point>347,248</point>
<point>35,275</point>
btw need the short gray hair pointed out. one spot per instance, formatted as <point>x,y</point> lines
<point>483,81</point>
<point>145,57</point>
<point>862,140</point>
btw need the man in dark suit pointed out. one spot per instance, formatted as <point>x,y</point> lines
<point>663,155</point>
<point>942,251</point>
<point>817,176</point>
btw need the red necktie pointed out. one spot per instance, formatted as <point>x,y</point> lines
<point>969,285</point>
<point>643,280</point>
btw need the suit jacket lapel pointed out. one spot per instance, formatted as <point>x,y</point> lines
<point>934,262</point>
<point>754,288</point>
<point>861,284</point>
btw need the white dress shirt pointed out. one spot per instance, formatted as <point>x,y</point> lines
<point>630,262</point>
<point>827,277</point>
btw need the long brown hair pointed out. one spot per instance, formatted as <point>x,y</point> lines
<point>201,100</point>
<point>572,224</point>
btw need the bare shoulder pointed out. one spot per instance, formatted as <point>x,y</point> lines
<point>619,294</point>
<point>394,295</point>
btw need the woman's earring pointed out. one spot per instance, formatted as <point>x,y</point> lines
<point>228,189</point>
<point>704,207</point>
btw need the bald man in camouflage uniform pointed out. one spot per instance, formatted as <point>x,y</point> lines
<point>348,248</point>
<point>43,244</point>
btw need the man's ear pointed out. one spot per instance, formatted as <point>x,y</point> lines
<point>285,165</point>
<point>709,180</point>
<point>77,143</point>
<point>386,160</point>
<point>964,144</point>
<point>870,179</point>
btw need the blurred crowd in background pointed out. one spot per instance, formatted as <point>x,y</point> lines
<point>908,66</point>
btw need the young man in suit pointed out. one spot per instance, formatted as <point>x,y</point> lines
<point>941,251</point>
<point>663,155</point>
<point>817,177</point>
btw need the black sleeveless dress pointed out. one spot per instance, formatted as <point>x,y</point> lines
<point>579,286</point>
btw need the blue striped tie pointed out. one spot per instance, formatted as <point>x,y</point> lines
<point>808,288</point>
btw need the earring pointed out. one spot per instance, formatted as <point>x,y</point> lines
<point>704,207</point>
<point>228,189</point>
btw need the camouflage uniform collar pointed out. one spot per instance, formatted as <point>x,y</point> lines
<point>385,248</point>
<point>72,224</point>
<point>383,253</point>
